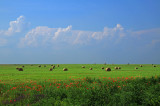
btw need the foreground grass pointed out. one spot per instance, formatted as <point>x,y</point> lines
<point>83,91</point>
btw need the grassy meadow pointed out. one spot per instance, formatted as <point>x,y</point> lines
<point>9,73</point>
<point>79,86</point>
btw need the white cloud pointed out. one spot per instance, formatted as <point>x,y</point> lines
<point>109,32</point>
<point>82,37</point>
<point>3,42</point>
<point>16,26</point>
<point>61,30</point>
<point>42,35</point>
<point>151,32</point>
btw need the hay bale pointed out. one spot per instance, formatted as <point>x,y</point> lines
<point>108,69</point>
<point>20,69</point>
<point>83,66</point>
<point>115,68</point>
<point>50,69</point>
<point>102,68</point>
<point>119,67</point>
<point>136,67</point>
<point>90,68</point>
<point>58,65</point>
<point>65,69</point>
<point>141,66</point>
<point>53,66</point>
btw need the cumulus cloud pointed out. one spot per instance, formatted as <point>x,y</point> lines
<point>42,34</point>
<point>39,34</point>
<point>109,32</point>
<point>16,26</point>
<point>82,37</point>
<point>61,30</point>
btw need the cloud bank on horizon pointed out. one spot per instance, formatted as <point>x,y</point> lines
<point>42,35</point>
<point>112,42</point>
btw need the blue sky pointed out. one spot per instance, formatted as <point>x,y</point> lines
<point>79,31</point>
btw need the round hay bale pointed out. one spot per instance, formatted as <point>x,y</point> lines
<point>90,68</point>
<point>136,67</point>
<point>50,69</point>
<point>108,69</point>
<point>20,69</point>
<point>53,66</point>
<point>115,68</point>
<point>65,69</point>
<point>58,65</point>
<point>83,66</point>
<point>119,67</point>
<point>141,66</point>
<point>102,68</point>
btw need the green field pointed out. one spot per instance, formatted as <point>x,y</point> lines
<point>80,86</point>
<point>9,72</point>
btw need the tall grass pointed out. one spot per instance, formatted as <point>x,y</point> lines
<point>83,91</point>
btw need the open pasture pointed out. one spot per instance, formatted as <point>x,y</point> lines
<point>9,73</point>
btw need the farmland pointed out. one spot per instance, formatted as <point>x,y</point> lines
<point>80,86</point>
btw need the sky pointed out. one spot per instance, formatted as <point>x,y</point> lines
<point>79,31</point>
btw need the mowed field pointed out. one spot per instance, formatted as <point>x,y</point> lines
<point>9,73</point>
